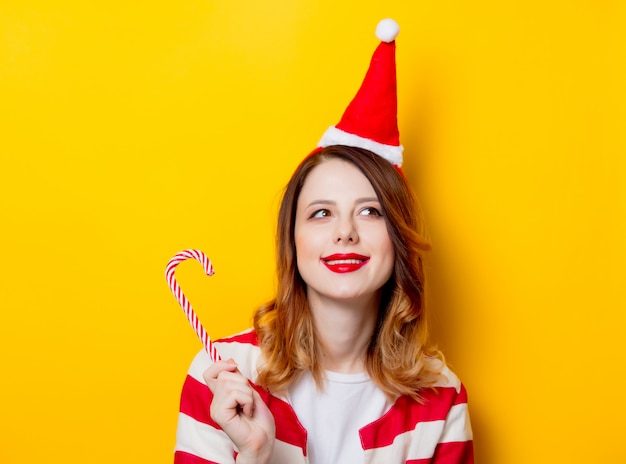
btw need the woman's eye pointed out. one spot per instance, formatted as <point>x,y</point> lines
<point>320,213</point>
<point>370,211</point>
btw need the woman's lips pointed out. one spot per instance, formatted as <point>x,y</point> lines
<point>342,263</point>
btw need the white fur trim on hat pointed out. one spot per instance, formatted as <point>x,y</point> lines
<point>334,136</point>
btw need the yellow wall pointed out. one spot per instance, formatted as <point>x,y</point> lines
<point>132,130</point>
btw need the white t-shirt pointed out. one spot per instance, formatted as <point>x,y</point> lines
<point>333,416</point>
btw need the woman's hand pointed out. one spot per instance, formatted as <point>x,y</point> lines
<point>240,412</point>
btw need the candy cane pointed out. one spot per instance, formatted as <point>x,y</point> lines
<point>182,300</point>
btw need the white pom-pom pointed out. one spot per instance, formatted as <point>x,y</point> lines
<point>387,30</point>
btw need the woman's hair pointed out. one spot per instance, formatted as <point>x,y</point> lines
<point>399,359</point>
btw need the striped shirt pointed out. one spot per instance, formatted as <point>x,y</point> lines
<point>436,431</point>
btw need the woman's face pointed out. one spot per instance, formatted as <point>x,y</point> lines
<point>343,249</point>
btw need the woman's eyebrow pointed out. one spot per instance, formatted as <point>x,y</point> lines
<point>332,202</point>
<point>321,202</point>
<point>367,200</point>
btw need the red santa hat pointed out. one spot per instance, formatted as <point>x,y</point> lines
<point>371,121</point>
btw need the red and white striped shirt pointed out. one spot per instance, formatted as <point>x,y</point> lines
<point>436,431</point>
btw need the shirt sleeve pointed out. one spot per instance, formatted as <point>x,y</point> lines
<point>199,440</point>
<point>456,444</point>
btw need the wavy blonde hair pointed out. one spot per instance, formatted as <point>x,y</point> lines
<point>399,360</point>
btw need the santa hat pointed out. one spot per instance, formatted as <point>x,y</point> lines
<point>370,121</point>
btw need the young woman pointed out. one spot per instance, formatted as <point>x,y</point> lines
<point>338,368</point>
<point>341,367</point>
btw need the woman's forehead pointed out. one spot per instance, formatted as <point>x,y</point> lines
<point>336,177</point>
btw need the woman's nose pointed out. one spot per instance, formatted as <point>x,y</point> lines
<point>346,232</point>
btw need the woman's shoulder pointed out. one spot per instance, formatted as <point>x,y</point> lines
<point>247,337</point>
<point>448,391</point>
<point>242,347</point>
<point>448,379</point>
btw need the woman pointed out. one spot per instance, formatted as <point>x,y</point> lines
<point>343,346</point>
<point>338,368</point>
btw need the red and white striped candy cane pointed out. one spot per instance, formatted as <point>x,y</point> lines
<point>182,299</point>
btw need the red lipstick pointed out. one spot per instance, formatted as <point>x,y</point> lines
<point>345,262</point>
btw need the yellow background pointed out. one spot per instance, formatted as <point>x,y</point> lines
<point>132,130</point>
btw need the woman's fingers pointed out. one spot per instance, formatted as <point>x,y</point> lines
<point>262,413</point>
<point>239,410</point>
<point>211,374</point>
<point>232,394</point>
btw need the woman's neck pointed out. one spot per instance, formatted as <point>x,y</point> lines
<point>344,331</point>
